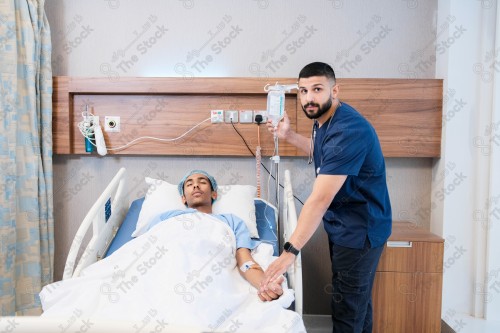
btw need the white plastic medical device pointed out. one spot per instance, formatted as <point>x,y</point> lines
<point>99,140</point>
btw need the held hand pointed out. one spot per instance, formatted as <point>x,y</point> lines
<point>278,267</point>
<point>272,290</point>
<point>283,127</point>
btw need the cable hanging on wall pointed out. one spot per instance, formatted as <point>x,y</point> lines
<point>92,131</point>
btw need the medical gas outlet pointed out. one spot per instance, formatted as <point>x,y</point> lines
<point>112,123</point>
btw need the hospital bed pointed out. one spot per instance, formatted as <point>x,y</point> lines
<point>113,219</point>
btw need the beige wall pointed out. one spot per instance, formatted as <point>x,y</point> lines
<point>384,39</point>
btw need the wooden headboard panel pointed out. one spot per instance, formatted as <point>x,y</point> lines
<point>405,113</point>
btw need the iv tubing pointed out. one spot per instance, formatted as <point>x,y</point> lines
<point>258,161</point>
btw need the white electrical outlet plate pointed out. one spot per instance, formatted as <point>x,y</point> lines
<point>263,113</point>
<point>217,116</point>
<point>246,116</point>
<point>231,114</point>
<point>112,123</point>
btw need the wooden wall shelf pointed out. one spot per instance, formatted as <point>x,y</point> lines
<point>406,113</point>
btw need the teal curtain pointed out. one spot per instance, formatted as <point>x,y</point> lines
<point>26,210</point>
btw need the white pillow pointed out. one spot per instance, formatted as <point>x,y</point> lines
<point>160,197</point>
<point>239,201</point>
<point>231,199</point>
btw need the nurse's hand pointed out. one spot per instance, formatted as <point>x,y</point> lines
<point>283,128</point>
<point>278,267</point>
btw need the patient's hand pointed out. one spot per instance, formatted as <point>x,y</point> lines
<point>272,290</point>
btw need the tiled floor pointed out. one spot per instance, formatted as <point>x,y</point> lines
<point>459,324</point>
<point>317,323</point>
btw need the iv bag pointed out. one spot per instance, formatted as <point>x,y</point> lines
<point>275,106</point>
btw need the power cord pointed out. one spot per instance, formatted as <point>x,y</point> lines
<point>88,129</point>
<point>160,139</point>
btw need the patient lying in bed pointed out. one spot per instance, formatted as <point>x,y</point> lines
<point>184,272</point>
<point>198,191</point>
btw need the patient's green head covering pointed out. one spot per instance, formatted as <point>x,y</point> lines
<point>213,183</point>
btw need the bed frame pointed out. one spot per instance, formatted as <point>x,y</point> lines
<point>105,217</point>
<point>110,209</point>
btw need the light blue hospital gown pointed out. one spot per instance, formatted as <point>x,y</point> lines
<point>240,230</point>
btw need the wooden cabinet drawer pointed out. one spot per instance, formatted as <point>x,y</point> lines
<point>419,257</point>
<point>410,249</point>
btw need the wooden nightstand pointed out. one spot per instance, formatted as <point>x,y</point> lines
<point>408,283</point>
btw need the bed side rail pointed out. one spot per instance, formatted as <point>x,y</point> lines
<point>289,225</point>
<point>105,216</point>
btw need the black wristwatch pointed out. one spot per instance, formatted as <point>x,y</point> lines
<point>288,247</point>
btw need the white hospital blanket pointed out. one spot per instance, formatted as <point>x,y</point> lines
<point>180,274</point>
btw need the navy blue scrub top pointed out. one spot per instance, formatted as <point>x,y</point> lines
<point>347,144</point>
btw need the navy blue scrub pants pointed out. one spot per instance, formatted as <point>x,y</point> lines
<point>352,281</point>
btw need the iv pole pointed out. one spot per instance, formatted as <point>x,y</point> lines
<point>272,114</point>
<point>276,160</point>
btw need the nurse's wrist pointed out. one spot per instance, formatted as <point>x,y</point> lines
<point>290,136</point>
<point>288,247</point>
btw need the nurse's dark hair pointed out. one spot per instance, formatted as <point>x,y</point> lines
<point>317,69</point>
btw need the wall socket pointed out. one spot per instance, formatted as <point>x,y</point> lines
<point>263,113</point>
<point>112,123</point>
<point>217,116</point>
<point>246,116</point>
<point>230,116</point>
